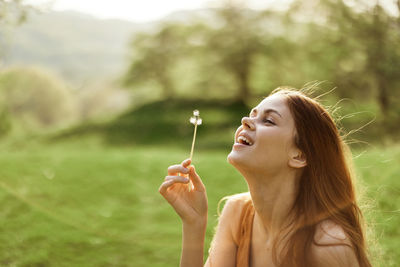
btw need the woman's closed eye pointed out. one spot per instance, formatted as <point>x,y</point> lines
<point>269,121</point>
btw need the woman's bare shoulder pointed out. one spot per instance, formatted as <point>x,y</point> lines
<point>235,203</point>
<point>330,233</point>
<point>224,245</point>
<point>230,216</point>
<point>241,197</point>
<point>332,247</point>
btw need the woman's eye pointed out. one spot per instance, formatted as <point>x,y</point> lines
<point>269,121</point>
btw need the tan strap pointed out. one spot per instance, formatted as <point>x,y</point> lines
<point>244,235</point>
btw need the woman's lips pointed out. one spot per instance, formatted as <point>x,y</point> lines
<point>239,145</point>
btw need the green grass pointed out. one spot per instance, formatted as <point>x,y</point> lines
<point>379,170</point>
<point>82,204</point>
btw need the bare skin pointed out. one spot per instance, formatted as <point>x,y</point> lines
<point>191,206</point>
<point>271,164</point>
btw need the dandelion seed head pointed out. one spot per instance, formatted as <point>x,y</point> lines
<point>196,119</point>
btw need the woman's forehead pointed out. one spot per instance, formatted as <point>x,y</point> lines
<point>276,102</point>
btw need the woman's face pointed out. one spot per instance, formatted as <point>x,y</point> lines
<point>265,140</point>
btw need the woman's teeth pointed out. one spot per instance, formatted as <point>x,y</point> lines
<point>244,140</point>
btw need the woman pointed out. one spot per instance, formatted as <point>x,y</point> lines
<point>301,208</point>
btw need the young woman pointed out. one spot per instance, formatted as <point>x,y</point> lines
<point>300,210</point>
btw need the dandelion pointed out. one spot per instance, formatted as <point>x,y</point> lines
<point>195,120</point>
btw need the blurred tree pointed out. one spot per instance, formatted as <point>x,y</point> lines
<point>382,39</point>
<point>221,52</point>
<point>13,11</point>
<point>356,47</point>
<point>236,43</point>
<point>240,52</point>
<point>154,57</point>
<point>33,99</point>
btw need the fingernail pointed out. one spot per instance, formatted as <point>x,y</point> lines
<point>186,179</point>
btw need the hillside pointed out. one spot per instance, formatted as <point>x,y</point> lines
<point>167,122</point>
<point>77,46</point>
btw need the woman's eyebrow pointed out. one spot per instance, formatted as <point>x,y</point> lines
<point>254,110</point>
<point>272,110</point>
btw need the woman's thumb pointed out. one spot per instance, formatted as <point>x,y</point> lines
<point>196,180</point>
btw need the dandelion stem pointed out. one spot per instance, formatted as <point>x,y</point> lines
<point>194,139</point>
<point>196,120</point>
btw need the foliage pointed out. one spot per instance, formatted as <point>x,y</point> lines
<point>32,99</point>
<point>361,46</point>
<point>156,56</point>
<point>236,44</point>
<point>13,11</point>
<point>353,48</point>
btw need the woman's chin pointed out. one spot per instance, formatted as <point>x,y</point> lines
<point>238,162</point>
<point>233,158</point>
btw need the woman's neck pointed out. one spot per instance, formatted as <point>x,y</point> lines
<point>273,197</point>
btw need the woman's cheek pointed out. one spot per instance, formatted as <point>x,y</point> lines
<point>274,143</point>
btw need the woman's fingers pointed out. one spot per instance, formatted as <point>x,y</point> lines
<point>169,181</point>
<point>196,180</point>
<point>181,179</point>
<point>174,169</point>
<point>164,186</point>
<point>186,162</point>
<point>183,168</point>
<point>179,168</point>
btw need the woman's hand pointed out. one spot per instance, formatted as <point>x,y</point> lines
<point>191,205</point>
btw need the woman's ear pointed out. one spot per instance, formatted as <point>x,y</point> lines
<point>297,159</point>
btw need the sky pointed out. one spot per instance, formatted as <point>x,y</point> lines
<point>150,10</point>
<point>142,10</point>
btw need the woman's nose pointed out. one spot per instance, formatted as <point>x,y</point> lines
<point>248,123</point>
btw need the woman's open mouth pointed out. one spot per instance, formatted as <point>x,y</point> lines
<point>243,140</point>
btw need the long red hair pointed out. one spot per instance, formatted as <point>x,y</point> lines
<point>326,189</point>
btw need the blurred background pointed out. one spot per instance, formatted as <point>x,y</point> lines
<point>96,96</point>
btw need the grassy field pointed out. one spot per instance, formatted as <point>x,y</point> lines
<point>83,204</point>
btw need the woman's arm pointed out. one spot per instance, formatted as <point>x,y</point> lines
<point>191,206</point>
<point>193,244</point>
